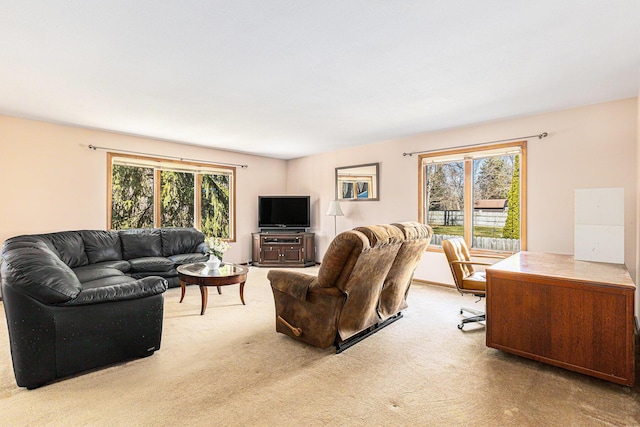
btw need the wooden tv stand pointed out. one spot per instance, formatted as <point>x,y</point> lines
<point>283,249</point>
<point>573,314</point>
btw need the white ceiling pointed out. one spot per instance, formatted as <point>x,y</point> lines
<point>288,78</point>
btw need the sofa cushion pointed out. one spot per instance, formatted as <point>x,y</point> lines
<point>164,274</point>
<point>146,264</point>
<point>70,247</point>
<point>107,281</point>
<point>101,245</point>
<point>182,240</point>
<point>140,242</point>
<point>89,273</point>
<point>121,265</point>
<point>188,258</point>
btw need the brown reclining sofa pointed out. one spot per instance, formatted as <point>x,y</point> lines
<point>361,286</point>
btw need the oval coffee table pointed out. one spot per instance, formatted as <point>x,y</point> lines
<point>201,275</point>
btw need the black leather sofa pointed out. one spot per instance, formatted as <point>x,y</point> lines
<point>79,300</point>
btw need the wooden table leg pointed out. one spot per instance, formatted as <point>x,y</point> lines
<point>242,293</point>
<point>219,291</point>
<point>205,297</point>
<point>183,287</point>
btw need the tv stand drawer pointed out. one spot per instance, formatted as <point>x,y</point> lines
<point>281,240</point>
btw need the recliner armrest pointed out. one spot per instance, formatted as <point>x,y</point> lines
<point>292,283</point>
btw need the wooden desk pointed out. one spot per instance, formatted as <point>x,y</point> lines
<point>573,314</point>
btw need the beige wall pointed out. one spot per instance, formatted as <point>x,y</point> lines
<point>51,181</point>
<point>588,147</point>
<point>637,275</point>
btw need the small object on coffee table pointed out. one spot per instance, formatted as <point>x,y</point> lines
<point>203,276</point>
<point>214,262</point>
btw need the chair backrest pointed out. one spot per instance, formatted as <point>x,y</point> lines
<point>340,257</point>
<point>357,262</point>
<point>373,266</point>
<point>367,279</point>
<point>393,297</point>
<point>456,250</point>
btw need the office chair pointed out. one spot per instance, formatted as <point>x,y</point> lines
<point>467,280</point>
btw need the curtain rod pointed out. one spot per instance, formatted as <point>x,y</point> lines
<point>94,148</point>
<point>539,136</point>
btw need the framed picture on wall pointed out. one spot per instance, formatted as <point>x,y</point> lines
<point>347,190</point>
<point>357,182</point>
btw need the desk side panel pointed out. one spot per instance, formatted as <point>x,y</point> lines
<point>582,327</point>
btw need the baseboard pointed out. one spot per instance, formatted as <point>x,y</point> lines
<point>429,282</point>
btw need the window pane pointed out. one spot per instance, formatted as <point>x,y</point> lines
<point>215,205</point>
<point>177,199</point>
<point>153,192</point>
<point>496,201</point>
<point>444,199</point>
<point>132,197</point>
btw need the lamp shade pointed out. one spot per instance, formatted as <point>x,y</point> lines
<point>334,209</point>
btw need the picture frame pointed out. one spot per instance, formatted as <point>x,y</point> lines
<point>358,182</point>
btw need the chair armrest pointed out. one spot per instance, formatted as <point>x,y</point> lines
<point>292,283</point>
<point>471,263</point>
<point>491,256</point>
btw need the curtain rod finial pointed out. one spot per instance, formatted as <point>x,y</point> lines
<point>92,147</point>
<point>543,135</point>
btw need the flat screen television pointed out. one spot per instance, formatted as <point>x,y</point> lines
<point>284,212</point>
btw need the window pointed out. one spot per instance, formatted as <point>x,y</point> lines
<point>155,192</point>
<point>477,194</point>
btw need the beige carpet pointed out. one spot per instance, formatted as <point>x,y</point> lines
<point>230,368</point>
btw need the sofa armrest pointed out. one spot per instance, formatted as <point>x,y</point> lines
<point>148,286</point>
<point>292,283</point>
<point>203,248</point>
<point>34,270</point>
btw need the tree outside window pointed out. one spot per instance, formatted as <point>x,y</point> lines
<point>475,194</point>
<point>177,194</point>
<point>444,197</point>
<point>132,197</point>
<point>214,208</point>
<point>148,192</point>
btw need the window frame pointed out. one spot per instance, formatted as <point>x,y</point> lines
<point>187,166</point>
<point>466,155</point>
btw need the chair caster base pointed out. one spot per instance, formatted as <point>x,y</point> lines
<point>478,318</point>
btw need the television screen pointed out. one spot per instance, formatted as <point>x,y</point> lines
<point>284,212</point>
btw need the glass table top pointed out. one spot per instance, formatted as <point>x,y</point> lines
<point>200,269</point>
